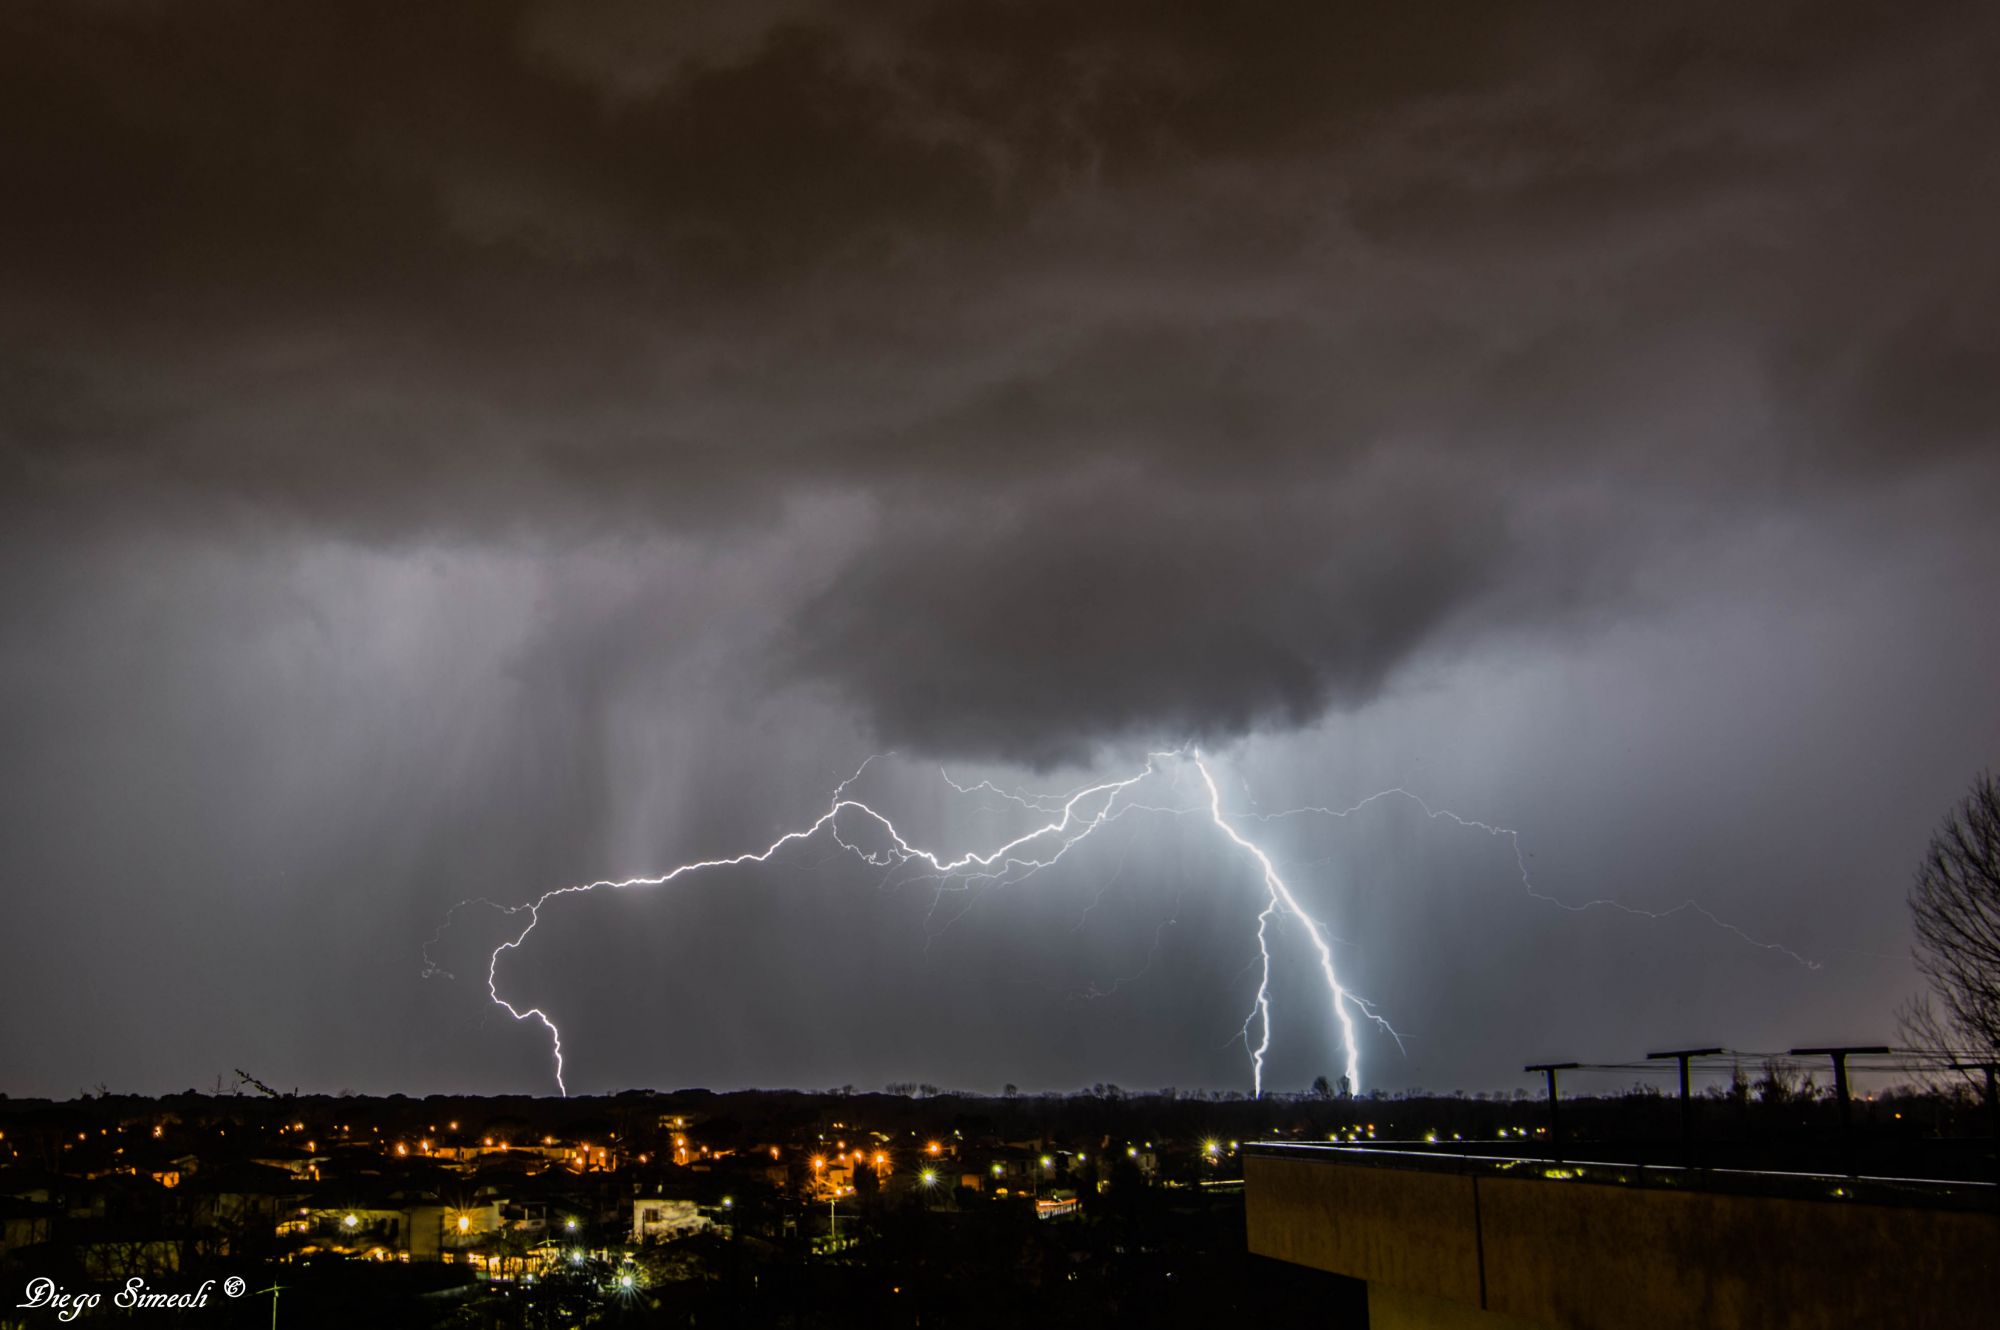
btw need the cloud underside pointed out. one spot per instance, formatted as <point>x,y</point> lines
<point>1194,369</point>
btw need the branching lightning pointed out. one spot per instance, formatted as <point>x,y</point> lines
<point>1072,817</point>
<point>1513,838</point>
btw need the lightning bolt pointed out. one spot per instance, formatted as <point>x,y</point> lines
<point>1281,897</point>
<point>1074,820</point>
<point>1513,839</point>
<point>1071,818</point>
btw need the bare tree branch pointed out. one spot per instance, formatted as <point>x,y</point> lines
<point>1955,909</point>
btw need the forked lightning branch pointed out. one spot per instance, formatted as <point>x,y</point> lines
<point>1071,819</point>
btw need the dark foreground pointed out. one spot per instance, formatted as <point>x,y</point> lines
<point>910,1208</point>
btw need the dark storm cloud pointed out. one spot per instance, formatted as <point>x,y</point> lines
<point>1108,314</point>
<point>1100,617</point>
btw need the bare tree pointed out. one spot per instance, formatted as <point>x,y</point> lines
<point>1955,909</point>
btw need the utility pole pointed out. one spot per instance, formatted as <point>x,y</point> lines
<point>274,1290</point>
<point>1549,1070</point>
<point>1682,1056</point>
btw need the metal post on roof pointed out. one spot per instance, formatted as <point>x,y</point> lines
<point>1682,1055</point>
<point>1840,1090</point>
<point>1992,1094</point>
<point>1549,1070</point>
<point>1839,1056</point>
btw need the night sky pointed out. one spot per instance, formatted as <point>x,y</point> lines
<point>456,449</point>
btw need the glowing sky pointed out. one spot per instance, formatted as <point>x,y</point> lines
<point>463,449</point>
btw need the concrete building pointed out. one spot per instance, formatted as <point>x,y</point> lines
<point>1520,1244</point>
